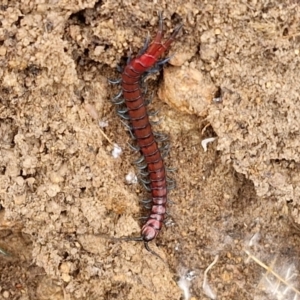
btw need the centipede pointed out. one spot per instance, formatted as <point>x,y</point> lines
<point>132,107</point>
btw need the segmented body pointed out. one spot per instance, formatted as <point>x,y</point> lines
<point>141,128</point>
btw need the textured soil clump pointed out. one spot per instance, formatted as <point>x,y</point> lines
<point>234,77</point>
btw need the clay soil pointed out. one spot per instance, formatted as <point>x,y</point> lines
<point>235,77</point>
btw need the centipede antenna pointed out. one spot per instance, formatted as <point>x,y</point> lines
<point>153,252</point>
<point>161,20</point>
<point>176,30</point>
<point>146,45</point>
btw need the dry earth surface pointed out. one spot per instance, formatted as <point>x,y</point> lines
<point>235,76</point>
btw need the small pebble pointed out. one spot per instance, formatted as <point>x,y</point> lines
<point>65,277</point>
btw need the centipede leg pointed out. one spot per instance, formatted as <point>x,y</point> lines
<point>139,160</point>
<point>118,102</point>
<point>171,185</point>
<point>142,166</point>
<point>115,81</point>
<point>146,187</point>
<point>129,129</point>
<point>171,170</point>
<point>153,113</point>
<point>131,134</point>
<point>123,113</point>
<point>155,122</point>
<point>146,201</point>
<point>122,110</point>
<point>119,69</point>
<point>134,148</point>
<point>171,202</point>
<point>148,102</point>
<point>164,61</point>
<point>151,71</point>
<point>145,181</point>
<point>143,173</point>
<point>160,137</point>
<point>147,206</point>
<point>118,95</point>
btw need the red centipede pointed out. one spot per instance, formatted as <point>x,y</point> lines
<point>136,113</point>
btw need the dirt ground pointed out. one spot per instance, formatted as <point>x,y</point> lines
<point>234,76</point>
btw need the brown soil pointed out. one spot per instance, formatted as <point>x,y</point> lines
<point>235,76</point>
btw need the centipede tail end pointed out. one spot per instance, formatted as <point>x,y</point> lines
<point>152,252</point>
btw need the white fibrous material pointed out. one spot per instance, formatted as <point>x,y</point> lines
<point>103,123</point>
<point>116,151</point>
<point>280,279</point>
<point>184,282</point>
<point>205,142</point>
<point>131,178</point>
<point>206,287</point>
